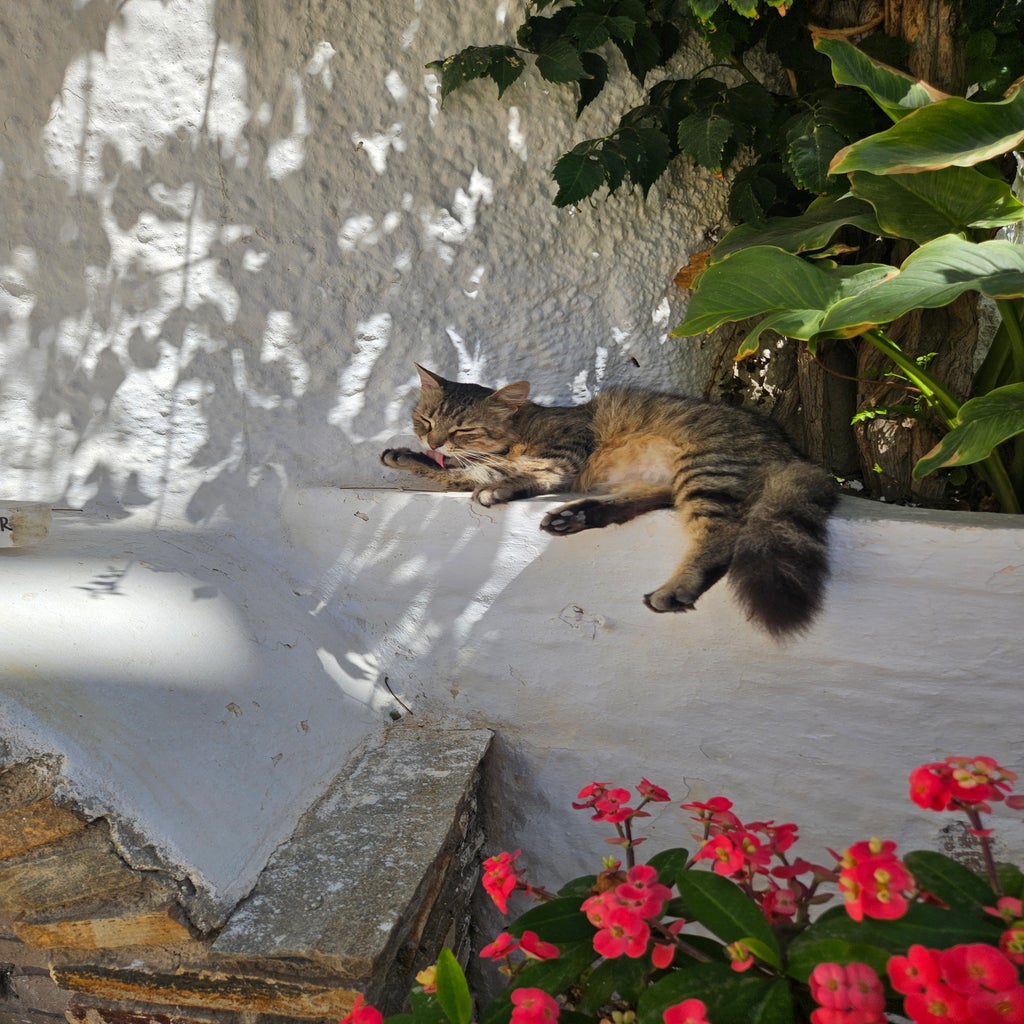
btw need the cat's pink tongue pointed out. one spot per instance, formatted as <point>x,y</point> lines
<point>436,456</point>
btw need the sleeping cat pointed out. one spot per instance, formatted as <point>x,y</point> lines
<point>753,508</point>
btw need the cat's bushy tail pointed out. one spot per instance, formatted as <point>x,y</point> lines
<point>780,563</point>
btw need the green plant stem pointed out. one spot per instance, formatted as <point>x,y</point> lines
<point>1011,311</point>
<point>991,469</point>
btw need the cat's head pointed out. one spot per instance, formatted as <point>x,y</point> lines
<point>466,423</point>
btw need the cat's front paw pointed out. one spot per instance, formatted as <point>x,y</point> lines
<point>402,458</point>
<point>493,495</point>
<point>668,599</point>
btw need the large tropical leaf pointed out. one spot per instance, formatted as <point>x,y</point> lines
<point>765,279</point>
<point>932,203</point>
<point>984,423</point>
<point>895,92</point>
<point>953,132</point>
<point>808,232</point>
<point>933,276</point>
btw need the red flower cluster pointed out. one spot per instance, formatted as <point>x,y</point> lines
<point>501,877</point>
<point>851,994</point>
<point>969,984</point>
<point>506,944</point>
<point>874,881</point>
<point>744,852</point>
<point>1011,942</point>
<point>611,804</point>
<point>362,1014</point>
<point>533,1006</point>
<point>622,915</point>
<point>960,782</point>
<point>689,1011</point>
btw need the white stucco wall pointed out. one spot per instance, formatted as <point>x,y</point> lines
<point>229,227</point>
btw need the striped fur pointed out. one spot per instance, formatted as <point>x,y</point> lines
<point>754,510</point>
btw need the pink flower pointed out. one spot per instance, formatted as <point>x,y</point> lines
<point>500,878</point>
<point>740,956</point>
<point>937,1004</point>
<point>715,813</point>
<point>504,945</point>
<point>642,892</point>
<point>1011,942</point>
<point>1005,1007</point>
<point>362,1014</point>
<point>850,994</point>
<point>872,880</point>
<point>663,953</point>
<point>734,853</point>
<point>689,1011</point>
<point>970,967</point>
<point>649,791</point>
<point>960,782</point>
<point>624,933</point>
<point>598,908</point>
<point>533,1006</point>
<point>913,972</point>
<point>536,949</point>
<point>778,904</point>
<point>609,804</point>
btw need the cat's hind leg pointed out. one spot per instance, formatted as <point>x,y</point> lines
<point>707,560</point>
<point>601,510</point>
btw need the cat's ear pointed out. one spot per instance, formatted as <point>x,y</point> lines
<point>428,381</point>
<point>511,396</point>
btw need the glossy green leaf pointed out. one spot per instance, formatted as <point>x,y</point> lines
<point>506,67</point>
<point>453,989</point>
<point>944,877</point>
<point>895,92</point>
<point>765,279</point>
<point>983,423</point>
<point>953,132</point>
<point>622,977</point>
<point>810,231</point>
<point>923,924</point>
<point>558,921</point>
<point>728,996</point>
<point>803,956</point>
<point>810,154</point>
<point>923,206</point>
<point>933,276</point>
<point>669,863</point>
<point>596,68</point>
<point>721,907</point>
<point>425,1008</point>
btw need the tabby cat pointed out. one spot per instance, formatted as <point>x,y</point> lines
<point>753,508</point>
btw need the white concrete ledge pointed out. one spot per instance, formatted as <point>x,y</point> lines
<point>204,693</point>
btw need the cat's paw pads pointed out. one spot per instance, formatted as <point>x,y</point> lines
<point>670,600</point>
<point>565,520</point>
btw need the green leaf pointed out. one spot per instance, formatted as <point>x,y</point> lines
<point>810,231</point>
<point>464,66</point>
<point>983,423</point>
<point>506,67</point>
<point>944,877</point>
<point>933,276</point>
<point>559,61</point>
<point>622,977</point>
<point>558,921</point>
<point>924,924</point>
<point>753,194</point>
<point>642,53</point>
<point>765,279</point>
<point>895,92</point>
<point>425,1008</point>
<point>596,68</point>
<point>669,863</point>
<point>579,174</point>
<point>650,151</point>
<point>952,132</point>
<point>810,153</point>
<point>931,203</point>
<point>803,956</point>
<point>728,996</point>
<point>452,989</point>
<point>722,907</point>
<point>1011,880</point>
<point>579,888</point>
<point>589,30</point>
<point>704,136</point>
